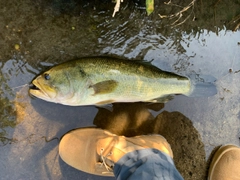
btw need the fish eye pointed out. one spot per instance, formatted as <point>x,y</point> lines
<point>46,76</point>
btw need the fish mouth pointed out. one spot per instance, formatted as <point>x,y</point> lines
<point>37,91</point>
<point>33,87</point>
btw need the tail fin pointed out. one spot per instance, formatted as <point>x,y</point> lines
<point>202,86</point>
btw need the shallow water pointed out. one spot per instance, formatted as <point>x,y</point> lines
<point>50,33</point>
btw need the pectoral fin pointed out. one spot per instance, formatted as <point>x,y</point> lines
<point>104,87</point>
<point>106,105</point>
<point>162,99</point>
<point>102,103</point>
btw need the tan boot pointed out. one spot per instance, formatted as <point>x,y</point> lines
<point>95,151</point>
<point>225,164</point>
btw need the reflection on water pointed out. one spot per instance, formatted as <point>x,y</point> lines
<point>38,120</point>
<point>7,112</point>
<point>126,119</point>
<point>14,76</point>
<point>7,120</point>
<point>131,119</point>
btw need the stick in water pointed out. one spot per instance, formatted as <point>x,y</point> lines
<point>20,86</point>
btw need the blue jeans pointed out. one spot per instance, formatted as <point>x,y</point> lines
<point>146,164</point>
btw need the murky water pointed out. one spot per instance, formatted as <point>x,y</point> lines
<point>50,33</point>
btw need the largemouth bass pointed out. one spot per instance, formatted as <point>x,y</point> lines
<point>104,80</point>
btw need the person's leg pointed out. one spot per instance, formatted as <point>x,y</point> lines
<point>225,164</point>
<point>100,152</point>
<point>146,164</point>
